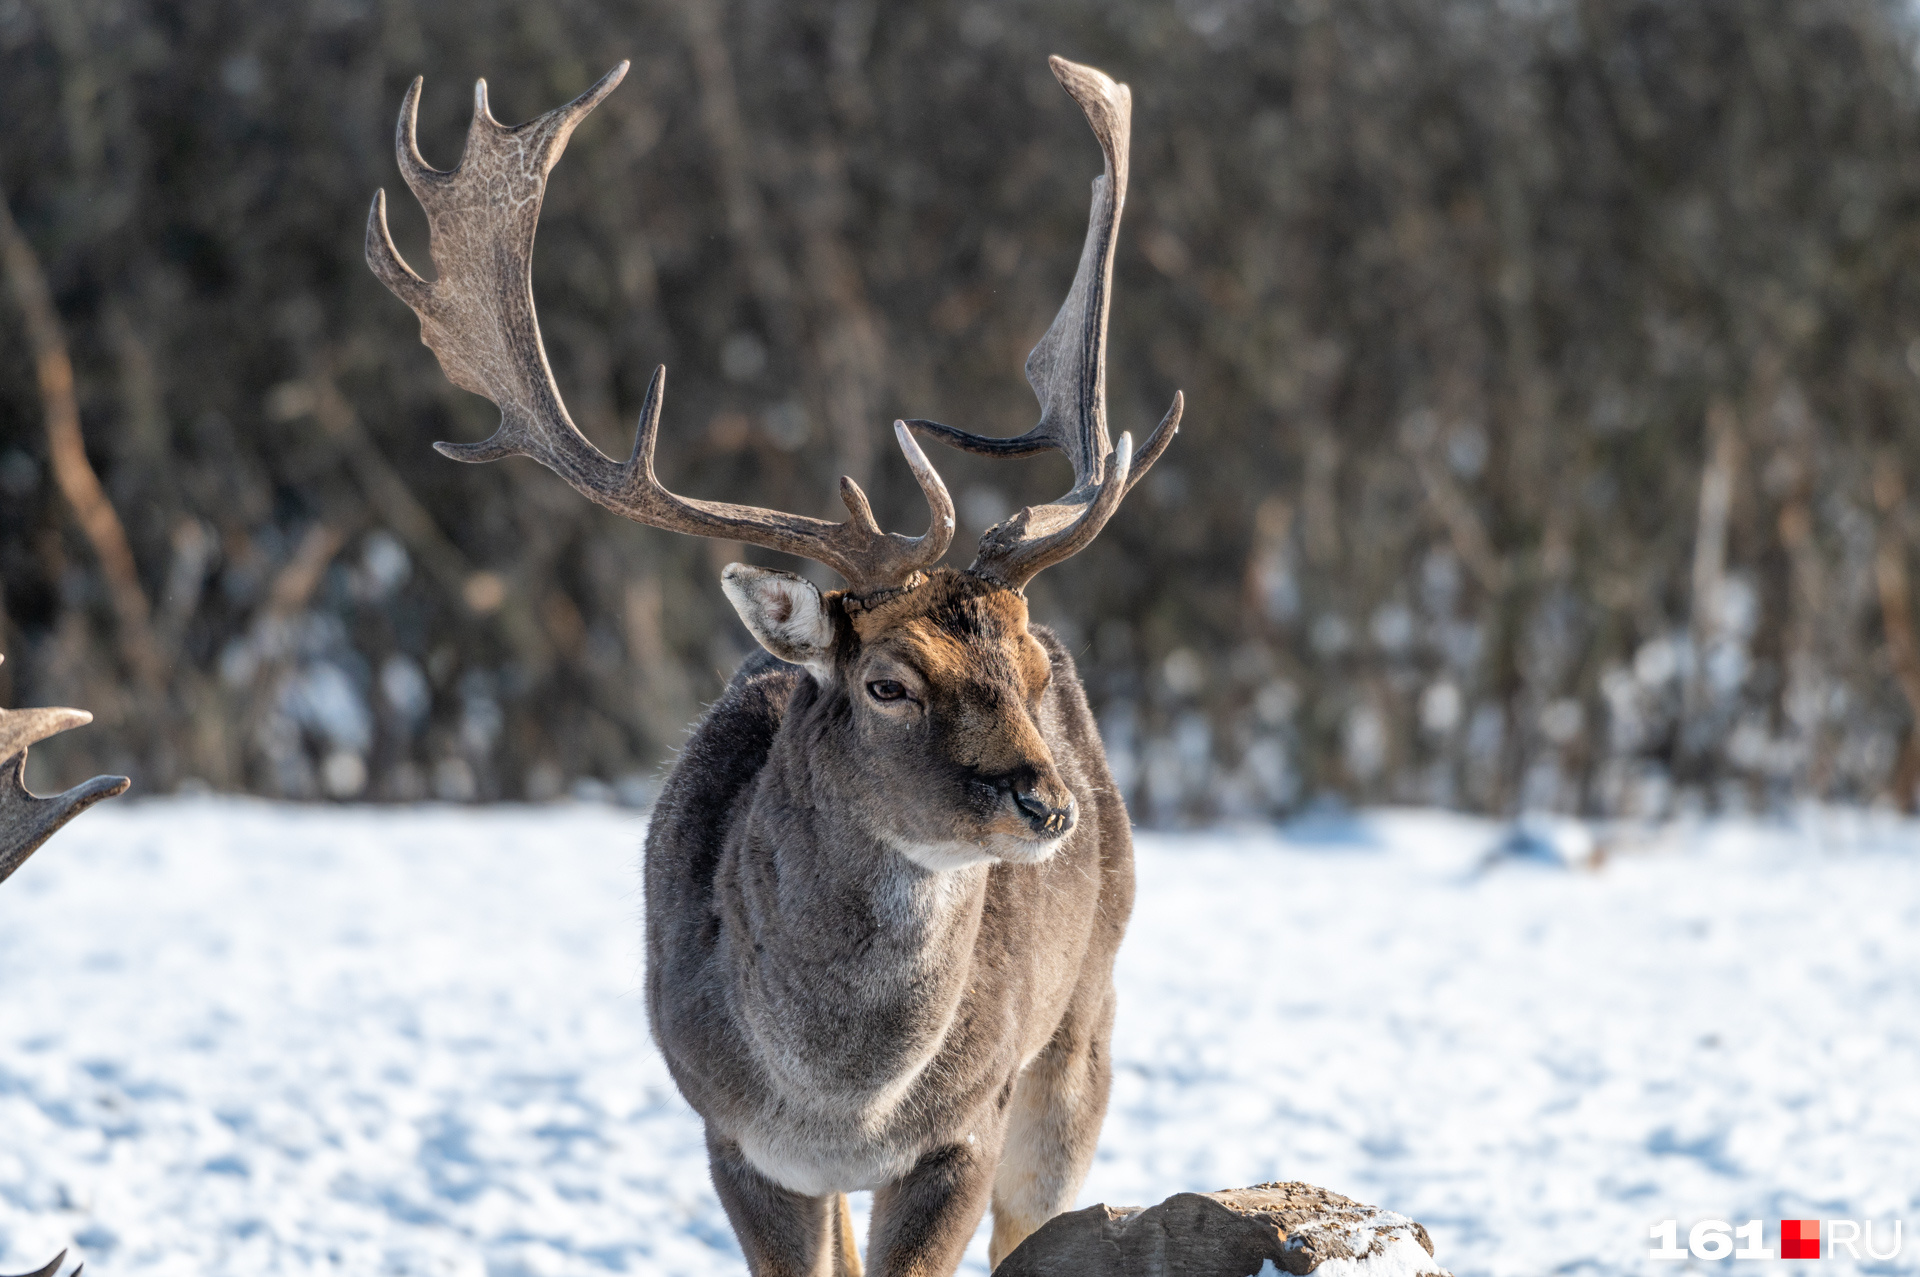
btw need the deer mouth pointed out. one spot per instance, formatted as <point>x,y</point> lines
<point>1046,820</point>
<point>1026,805</point>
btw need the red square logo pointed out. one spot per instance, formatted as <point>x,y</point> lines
<point>1799,1239</point>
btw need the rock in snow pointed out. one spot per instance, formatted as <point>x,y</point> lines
<point>1242,1232</point>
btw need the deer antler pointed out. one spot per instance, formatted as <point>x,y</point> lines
<point>1068,373</point>
<point>27,821</point>
<point>53,1268</point>
<point>478,318</point>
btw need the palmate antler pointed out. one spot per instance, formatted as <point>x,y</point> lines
<point>1068,373</point>
<point>478,318</point>
<point>27,821</point>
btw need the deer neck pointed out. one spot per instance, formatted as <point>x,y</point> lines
<point>813,825</point>
<point>849,961</point>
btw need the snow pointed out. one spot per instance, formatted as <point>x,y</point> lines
<point>1382,1243</point>
<point>247,1040</point>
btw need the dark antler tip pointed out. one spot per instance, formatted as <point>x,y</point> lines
<point>52,1267</point>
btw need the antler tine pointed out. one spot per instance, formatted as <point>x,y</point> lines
<point>20,728</point>
<point>26,821</point>
<point>406,143</point>
<point>1013,552</point>
<point>1068,370</point>
<point>478,318</point>
<point>52,1268</point>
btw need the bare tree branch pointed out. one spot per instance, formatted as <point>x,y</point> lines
<point>67,451</point>
<point>1896,614</point>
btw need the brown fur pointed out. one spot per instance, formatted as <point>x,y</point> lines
<point>844,1017</point>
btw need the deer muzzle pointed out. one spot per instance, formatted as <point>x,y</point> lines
<point>1047,819</point>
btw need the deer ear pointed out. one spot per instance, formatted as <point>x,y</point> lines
<point>785,612</point>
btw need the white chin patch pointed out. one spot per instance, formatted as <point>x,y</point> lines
<point>1027,851</point>
<point>942,857</point>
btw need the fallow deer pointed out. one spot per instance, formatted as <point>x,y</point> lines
<point>887,876</point>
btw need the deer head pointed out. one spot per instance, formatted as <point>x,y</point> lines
<point>937,671</point>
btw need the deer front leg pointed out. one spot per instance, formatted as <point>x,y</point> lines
<point>783,1233</point>
<point>1053,1123</point>
<point>923,1222</point>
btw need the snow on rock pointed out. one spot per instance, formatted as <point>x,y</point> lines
<point>1303,1228</point>
<point>247,1040</point>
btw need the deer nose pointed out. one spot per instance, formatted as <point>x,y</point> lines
<point>1042,815</point>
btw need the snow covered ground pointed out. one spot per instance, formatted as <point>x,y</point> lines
<point>241,1040</point>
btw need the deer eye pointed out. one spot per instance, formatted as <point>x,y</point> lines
<point>887,689</point>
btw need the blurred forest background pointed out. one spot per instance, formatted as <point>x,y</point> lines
<point>1553,375</point>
